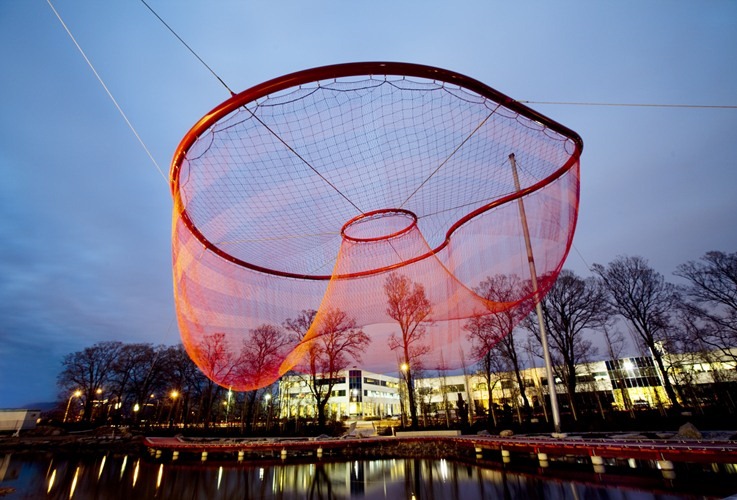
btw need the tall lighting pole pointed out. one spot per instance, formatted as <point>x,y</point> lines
<point>538,299</point>
<point>173,395</point>
<point>404,368</point>
<point>75,394</point>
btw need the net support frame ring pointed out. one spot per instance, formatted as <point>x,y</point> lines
<point>378,214</point>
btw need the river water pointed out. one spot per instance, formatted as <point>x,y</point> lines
<point>36,476</point>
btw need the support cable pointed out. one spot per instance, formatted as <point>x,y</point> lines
<point>99,78</point>
<point>188,47</point>
<point>633,105</point>
<point>271,131</point>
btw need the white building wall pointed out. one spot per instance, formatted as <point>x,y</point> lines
<point>12,420</point>
<point>439,393</point>
<point>378,396</point>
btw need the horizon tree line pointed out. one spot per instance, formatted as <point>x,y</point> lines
<point>691,317</point>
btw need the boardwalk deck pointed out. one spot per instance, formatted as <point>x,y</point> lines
<point>641,449</point>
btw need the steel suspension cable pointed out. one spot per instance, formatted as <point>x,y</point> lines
<point>634,105</point>
<point>187,46</point>
<point>269,129</point>
<point>99,79</point>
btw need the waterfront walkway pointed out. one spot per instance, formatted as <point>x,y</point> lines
<point>660,450</point>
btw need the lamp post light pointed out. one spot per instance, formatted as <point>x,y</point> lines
<point>75,394</point>
<point>97,404</point>
<point>227,404</point>
<point>404,368</point>
<point>173,395</point>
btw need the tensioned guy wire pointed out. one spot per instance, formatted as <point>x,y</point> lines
<point>188,47</point>
<point>99,78</point>
<point>633,105</point>
<point>292,150</point>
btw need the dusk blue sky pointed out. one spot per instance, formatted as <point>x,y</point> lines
<point>85,216</point>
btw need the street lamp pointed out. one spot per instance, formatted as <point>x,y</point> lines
<point>75,394</point>
<point>404,368</point>
<point>97,405</point>
<point>267,397</point>
<point>173,395</point>
<point>227,404</point>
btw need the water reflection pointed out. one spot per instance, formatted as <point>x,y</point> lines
<point>48,476</point>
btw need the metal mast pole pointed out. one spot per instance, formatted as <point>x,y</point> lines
<point>538,306</point>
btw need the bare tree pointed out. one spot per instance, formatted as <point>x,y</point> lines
<point>136,373</point>
<point>484,340</point>
<point>498,328</point>
<point>89,370</point>
<point>337,341</point>
<point>573,306</point>
<point>642,296</point>
<point>301,324</point>
<point>712,294</point>
<point>180,373</point>
<point>219,363</point>
<point>408,305</point>
<point>261,355</point>
<point>442,370</point>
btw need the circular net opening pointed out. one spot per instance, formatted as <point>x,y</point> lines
<point>379,225</point>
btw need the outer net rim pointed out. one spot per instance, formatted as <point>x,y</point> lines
<point>349,70</point>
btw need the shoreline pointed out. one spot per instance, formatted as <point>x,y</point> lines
<point>428,445</point>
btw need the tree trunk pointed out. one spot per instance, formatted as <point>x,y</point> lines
<point>492,412</point>
<point>520,384</point>
<point>415,424</point>
<point>321,414</point>
<point>209,400</point>
<point>666,381</point>
<point>571,387</point>
<point>88,409</point>
<point>249,406</point>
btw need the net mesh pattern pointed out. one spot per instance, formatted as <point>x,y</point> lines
<point>264,196</point>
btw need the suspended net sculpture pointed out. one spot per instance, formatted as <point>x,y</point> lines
<point>305,193</point>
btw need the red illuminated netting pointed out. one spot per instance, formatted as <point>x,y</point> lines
<point>306,192</point>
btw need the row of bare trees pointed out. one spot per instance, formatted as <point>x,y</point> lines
<point>130,374</point>
<point>699,314</point>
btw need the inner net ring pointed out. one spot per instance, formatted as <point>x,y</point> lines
<point>359,223</point>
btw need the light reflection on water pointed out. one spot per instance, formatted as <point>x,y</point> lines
<point>48,476</point>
